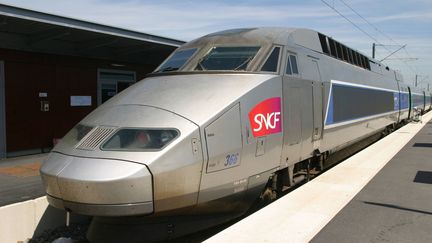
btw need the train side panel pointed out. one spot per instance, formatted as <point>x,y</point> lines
<point>351,118</point>
<point>233,170</point>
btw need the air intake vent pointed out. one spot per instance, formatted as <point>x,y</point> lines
<point>95,138</point>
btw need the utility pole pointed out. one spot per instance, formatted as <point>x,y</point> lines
<point>373,50</point>
<point>416,80</point>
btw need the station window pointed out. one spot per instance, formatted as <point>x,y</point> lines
<point>291,67</point>
<point>271,64</point>
<point>112,82</point>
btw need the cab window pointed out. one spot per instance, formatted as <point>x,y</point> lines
<point>271,64</point>
<point>291,67</point>
<point>227,58</point>
<point>177,60</point>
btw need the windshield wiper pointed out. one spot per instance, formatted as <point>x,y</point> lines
<point>200,65</point>
<point>202,68</point>
<point>243,63</point>
<point>167,69</point>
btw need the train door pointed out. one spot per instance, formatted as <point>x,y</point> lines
<point>293,111</point>
<point>292,121</point>
<point>317,97</point>
<point>307,119</point>
<point>410,103</point>
<point>2,112</point>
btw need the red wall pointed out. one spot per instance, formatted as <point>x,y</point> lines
<point>27,74</point>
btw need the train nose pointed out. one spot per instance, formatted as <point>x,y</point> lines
<point>97,187</point>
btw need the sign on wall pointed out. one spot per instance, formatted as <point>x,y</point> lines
<point>80,100</point>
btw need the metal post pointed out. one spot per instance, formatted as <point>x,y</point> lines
<point>67,218</point>
<point>2,112</point>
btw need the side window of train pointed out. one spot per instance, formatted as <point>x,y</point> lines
<point>271,64</point>
<point>291,67</point>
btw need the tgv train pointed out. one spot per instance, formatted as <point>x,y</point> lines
<point>224,118</point>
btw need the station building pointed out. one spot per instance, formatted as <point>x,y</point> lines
<point>54,70</point>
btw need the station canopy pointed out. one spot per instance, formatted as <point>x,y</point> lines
<point>28,30</point>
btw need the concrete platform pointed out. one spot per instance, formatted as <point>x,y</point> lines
<point>24,209</point>
<point>396,206</point>
<point>20,180</point>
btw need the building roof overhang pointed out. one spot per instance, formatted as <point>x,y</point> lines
<point>28,30</point>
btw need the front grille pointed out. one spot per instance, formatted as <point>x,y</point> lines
<point>95,138</point>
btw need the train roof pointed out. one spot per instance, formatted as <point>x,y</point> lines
<point>308,38</point>
<point>262,35</point>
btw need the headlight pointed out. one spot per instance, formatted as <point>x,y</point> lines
<point>134,139</point>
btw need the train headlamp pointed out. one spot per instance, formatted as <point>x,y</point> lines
<point>134,139</point>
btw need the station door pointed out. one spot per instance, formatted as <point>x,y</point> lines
<point>112,82</point>
<point>2,112</point>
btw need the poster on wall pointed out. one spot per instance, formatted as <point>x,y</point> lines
<point>80,100</point>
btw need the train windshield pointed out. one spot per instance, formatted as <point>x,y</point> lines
<point>177,60</point>
<point>227,58</point>
<point>133,139</point>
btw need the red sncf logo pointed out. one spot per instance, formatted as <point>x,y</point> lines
<point>265,118</point>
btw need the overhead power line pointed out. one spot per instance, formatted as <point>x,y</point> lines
<point>347,19</point>
<point>393,53</point>
<point>369,35</point>
<point>369,23</point>
<point>414,70</point>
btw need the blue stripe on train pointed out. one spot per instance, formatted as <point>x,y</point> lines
<point>404,101</point>
<point>400,101</point>
<point>329,119</point>
<point>396,101</point>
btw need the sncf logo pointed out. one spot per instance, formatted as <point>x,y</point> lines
<point>265,118</point>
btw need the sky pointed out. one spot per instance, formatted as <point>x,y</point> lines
<point>391,23</point>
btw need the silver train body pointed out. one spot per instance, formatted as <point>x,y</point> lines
<point>229,111</point>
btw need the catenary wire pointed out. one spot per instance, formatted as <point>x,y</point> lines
<point>365,32</point>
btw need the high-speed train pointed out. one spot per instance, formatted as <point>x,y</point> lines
<point>225,118</point>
